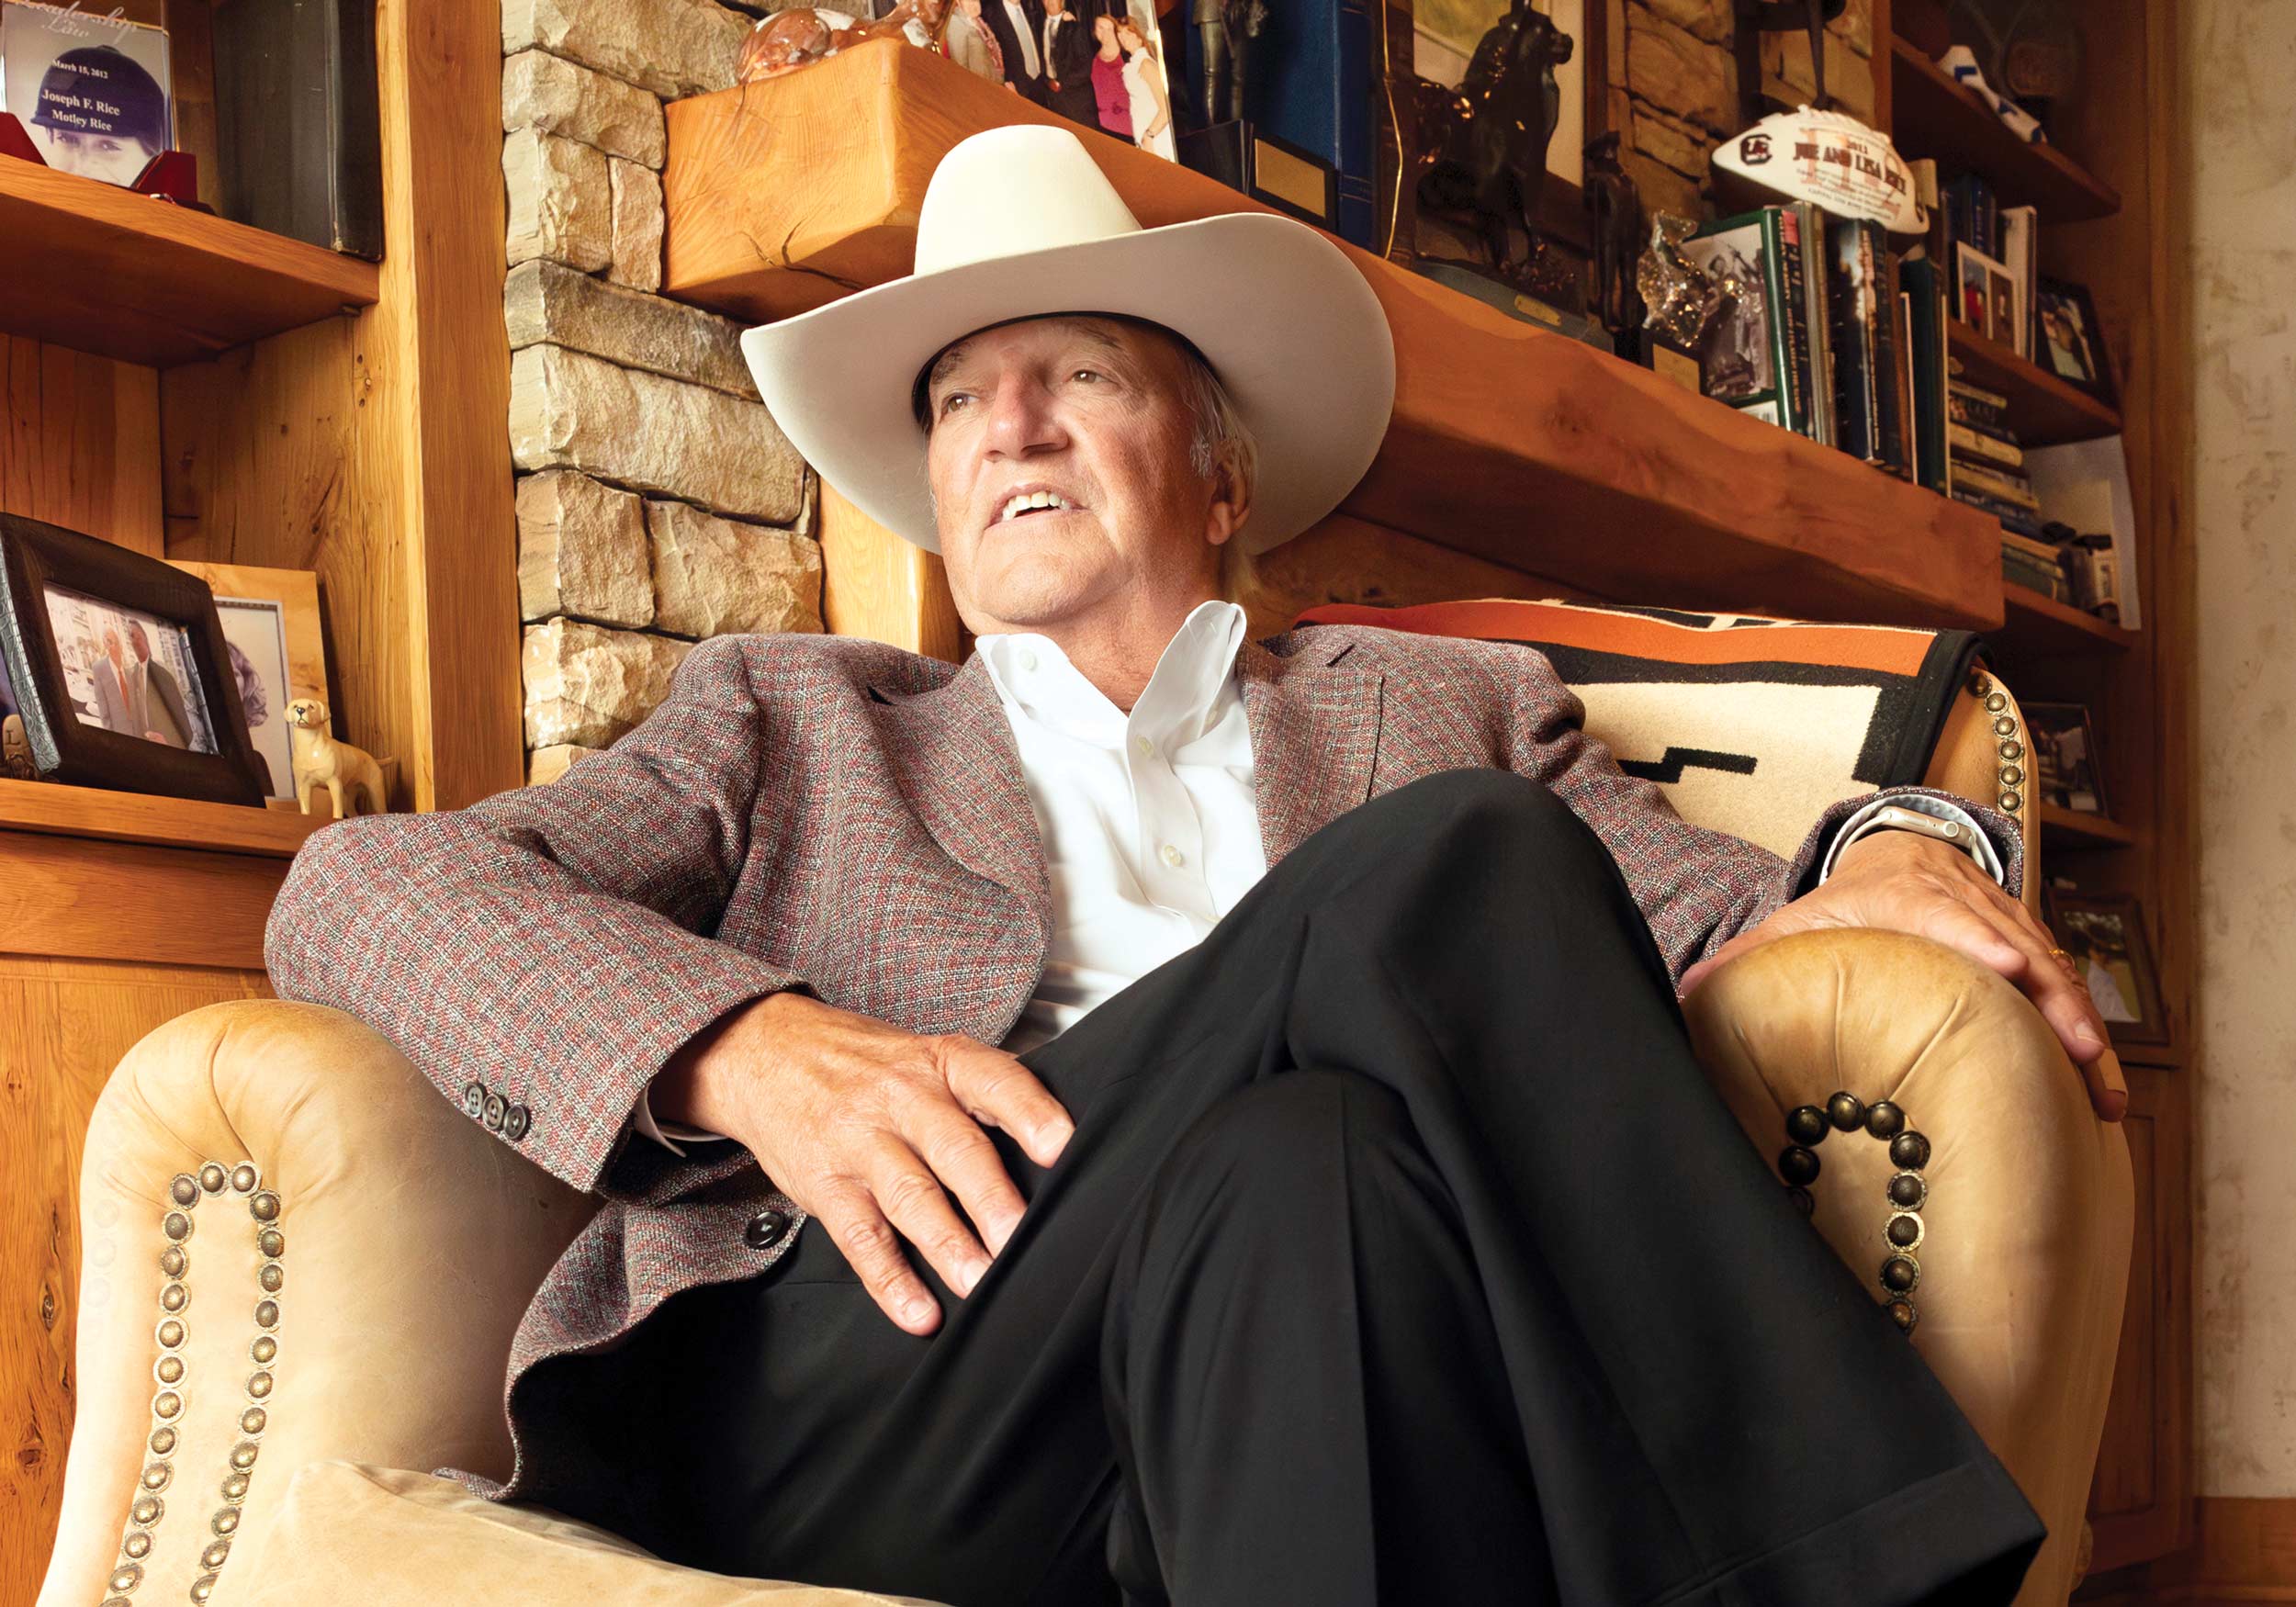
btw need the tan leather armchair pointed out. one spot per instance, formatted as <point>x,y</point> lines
<point>409,1240</point>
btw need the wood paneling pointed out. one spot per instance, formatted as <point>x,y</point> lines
<point>272,460</point>
<point>70,896</point>
<point>2141,1504</point>
<point>1509,442</point>
<point>79,439</point>
<point>442,360</point>
<point>63,1025</point>
<point>878,586</point>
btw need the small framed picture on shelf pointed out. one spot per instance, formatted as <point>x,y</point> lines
<point>2065,768</point>
<point>91,90</point>
<point>1990,299</point>
<point>2071,345</point>
<point>2104,933</point>
<point>120,670</point>
<point>2065,757</point>
<point>272,634</point>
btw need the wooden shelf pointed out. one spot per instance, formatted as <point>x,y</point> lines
<point>1936,118</point>
<point>2043,410</point>
<point>102,269</point>
<point>2061,828</point>
<point>2037,623</point>
<point>1508,442</point>
<point>136,817</point>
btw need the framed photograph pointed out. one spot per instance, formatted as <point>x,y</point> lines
<point>1988,302</point>
<point>118,668</point>
<point>91,89</point>
<point>2070,344</point>
<point>271,632</point>
<point>2104,932</point>
<point>2066,771</point>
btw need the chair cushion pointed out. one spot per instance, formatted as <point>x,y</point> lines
<point>1750,724</point>
<point>413,1541</point>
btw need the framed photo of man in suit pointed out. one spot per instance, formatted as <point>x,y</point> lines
<point>119,669</point>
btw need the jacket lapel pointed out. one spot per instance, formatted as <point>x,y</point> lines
<point>953,757</point>
<point>1315,737</point>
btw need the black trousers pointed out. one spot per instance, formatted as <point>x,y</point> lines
<point>1402,1253</point>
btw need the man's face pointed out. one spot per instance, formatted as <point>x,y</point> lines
<point>1094,409</point>
<point>110,157</point>
<point>140,644</point>
<point>111,646</point>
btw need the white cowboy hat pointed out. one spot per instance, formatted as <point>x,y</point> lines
<point>1020,222</point>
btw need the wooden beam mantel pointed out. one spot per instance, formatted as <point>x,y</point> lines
<point>1509,442</point>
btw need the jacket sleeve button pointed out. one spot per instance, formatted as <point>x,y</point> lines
<point>515,1121</point>
<point>495,1108</point>
<point>765,1230</point>
<point>474,1099</point>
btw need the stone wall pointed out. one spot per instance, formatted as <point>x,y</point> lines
<point>658,504</point>
<point>1673,87</point>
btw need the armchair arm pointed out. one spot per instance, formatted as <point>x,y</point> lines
<point>2025,1262</point>
<point>410,1241</point>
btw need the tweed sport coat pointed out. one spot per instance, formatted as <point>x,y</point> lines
<point>840,815</point>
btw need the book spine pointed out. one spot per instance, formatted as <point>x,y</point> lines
<point>1980,415</point>
<point>1812,225</point>
<point>1925,313</point>
<point>1845,328</point>
<point>2008,487</point>
<point>2023,520</point>
<point>1790,319</point>
<point>1985,443</point>
<point>1889,362</point>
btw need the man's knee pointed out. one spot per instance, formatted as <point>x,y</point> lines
<point>1285,1135</point>
<point>1487,814</point>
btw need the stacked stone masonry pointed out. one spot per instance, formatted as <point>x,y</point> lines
<point>657,503</point>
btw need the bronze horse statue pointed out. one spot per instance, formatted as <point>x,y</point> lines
<point>1483,146</point>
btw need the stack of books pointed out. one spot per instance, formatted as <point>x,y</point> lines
<point>1813,334</point>
<point>1986,470</point>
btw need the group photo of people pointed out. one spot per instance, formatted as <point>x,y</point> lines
<point>1098,63</point>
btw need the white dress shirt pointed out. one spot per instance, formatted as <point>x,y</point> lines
<point>1149,820</point>
<point>1024,36</point>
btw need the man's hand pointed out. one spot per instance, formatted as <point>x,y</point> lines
<point>864,1125</point>
<point>1901,882</point>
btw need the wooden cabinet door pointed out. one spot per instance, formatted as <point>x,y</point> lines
<point>2141,1505</point>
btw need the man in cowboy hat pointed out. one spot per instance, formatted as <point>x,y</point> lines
<point>1146,1114</point>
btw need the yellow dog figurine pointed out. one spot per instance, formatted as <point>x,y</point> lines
<point>352,780</point>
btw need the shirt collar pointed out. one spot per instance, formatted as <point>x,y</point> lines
<point>1186,693</point>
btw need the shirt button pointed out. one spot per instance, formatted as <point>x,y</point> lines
<point>1027,660</point>
<point>1172,857</point>
<point>1147,748</point>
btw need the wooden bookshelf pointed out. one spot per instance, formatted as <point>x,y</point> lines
<point>2034,622</point>
<point>2043,410</point>
<point>2070,829</point>
<point>101,269</point>
<point>1508,443</point>
<point>1937,117</point>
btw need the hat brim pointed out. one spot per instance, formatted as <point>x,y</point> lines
<point>1286,320</point>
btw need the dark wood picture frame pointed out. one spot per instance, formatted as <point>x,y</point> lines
<point>65,747</point>
<point>2077,917</point>
<point>2057,299</point>
<point>2042,720</point>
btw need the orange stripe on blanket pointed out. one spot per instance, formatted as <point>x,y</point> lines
<point>1887,649</point>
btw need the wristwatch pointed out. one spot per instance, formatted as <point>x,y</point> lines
<point>1895,817</point>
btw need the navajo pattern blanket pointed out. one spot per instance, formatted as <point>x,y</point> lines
<point>1751,724</point>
